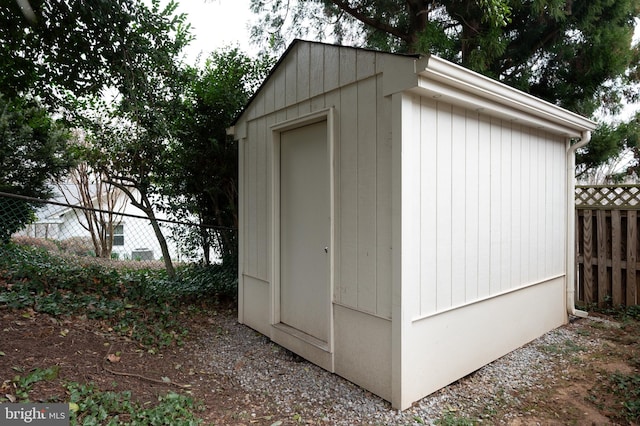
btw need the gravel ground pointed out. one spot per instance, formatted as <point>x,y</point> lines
<point>295,389</point>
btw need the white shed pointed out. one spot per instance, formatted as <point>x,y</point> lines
<point>403,220</point>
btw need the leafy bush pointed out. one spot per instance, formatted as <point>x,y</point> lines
<point>140,303</point>
<point>620,312</point>
<point>196,281</point>
<point>78,246</point>
<point>91,406</point>
<point>627,388</point>
<point>14,216</point>
<point>41,270</point>
<point>44,243</point>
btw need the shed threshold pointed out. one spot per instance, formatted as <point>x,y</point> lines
<point>307,338</point>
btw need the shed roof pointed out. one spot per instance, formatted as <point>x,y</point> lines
<point>438,78</point>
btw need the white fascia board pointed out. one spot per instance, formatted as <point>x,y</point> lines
<point>458,85</point>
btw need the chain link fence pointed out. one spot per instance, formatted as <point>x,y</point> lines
<point>120,237</point>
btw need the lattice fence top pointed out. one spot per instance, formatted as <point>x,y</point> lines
<point>608,197</point>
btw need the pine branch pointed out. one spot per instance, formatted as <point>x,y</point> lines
<point>367,20</point>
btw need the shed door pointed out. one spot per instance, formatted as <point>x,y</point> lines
<point>304,230</point>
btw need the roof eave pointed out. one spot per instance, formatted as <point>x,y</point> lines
<point>439,78</point>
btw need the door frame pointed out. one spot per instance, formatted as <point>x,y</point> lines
<point>324,115</point>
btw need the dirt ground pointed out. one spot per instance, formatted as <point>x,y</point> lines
<point>88,351</point>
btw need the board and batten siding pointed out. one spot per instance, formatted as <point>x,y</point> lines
<point>489,207</point>
<point>362,275</point>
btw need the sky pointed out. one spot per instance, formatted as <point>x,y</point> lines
<point>217,23</point>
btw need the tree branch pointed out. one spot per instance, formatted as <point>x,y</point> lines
<point>367,20</point>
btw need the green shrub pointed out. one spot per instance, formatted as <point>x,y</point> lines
<point>95,407</point>
<point>196,281</point>
<point>78,246</point>
<point>44,243</point>
<point>14,215</point>
<point>140,303</point>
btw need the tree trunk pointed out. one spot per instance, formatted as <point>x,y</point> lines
<point>206,244</point>
<point>418,15</point>
<point>164,248</point>
<point>145,205</point>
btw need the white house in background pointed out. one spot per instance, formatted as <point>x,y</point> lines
<point>133,235</point>
<point>403,220</point>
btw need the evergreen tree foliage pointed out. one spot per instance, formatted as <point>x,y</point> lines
<point>577,54</point>
<point>204,180</point>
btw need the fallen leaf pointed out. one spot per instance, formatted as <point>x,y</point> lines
<point>28,314</point>
<point>2,353</point>
<point>74,407</point>
<point>113,358</point>
<point>64,332</point>
<point>10,397</point>
<point>166,379</point>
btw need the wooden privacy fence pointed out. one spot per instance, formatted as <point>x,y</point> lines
<point>607,244</point>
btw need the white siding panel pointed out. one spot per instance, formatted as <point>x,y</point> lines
<point>484,207</point>
<point>243,151</point>
<point>516,214</point>
<point>534,264</point>
<point>458,206</point>
<point>304,107</point>
<point>472,204</point>
<point>269,95</point>
<point>540,206</point>
<point>525,206</point>
<point>252,212</point>
<point>278,79</point>
<point>366,199</point>
<point>268,253</point>
<point>349,197</point>
<point>316,70</point>
<point>256,313</point>
<point>317,103</point>
<point>370,368</point>
<point>365,64</point>
<point>383,203</point>
<point>332,99</point>
<point>496,206</point>
<point>347,66</point>
<point>258,106</point>
<point>444,209</point>
<point>560,206</point>
<point>411,206</point>
<point>505,205</point>
<point>262,194</point>
<point>445,347</point>
<point>331,71</point>
<point>553,188</point>
<point>303,72</point>
<point>428,187</point>
<point>491,206</point>
<point>291,78</point>
<point>292,112</point>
